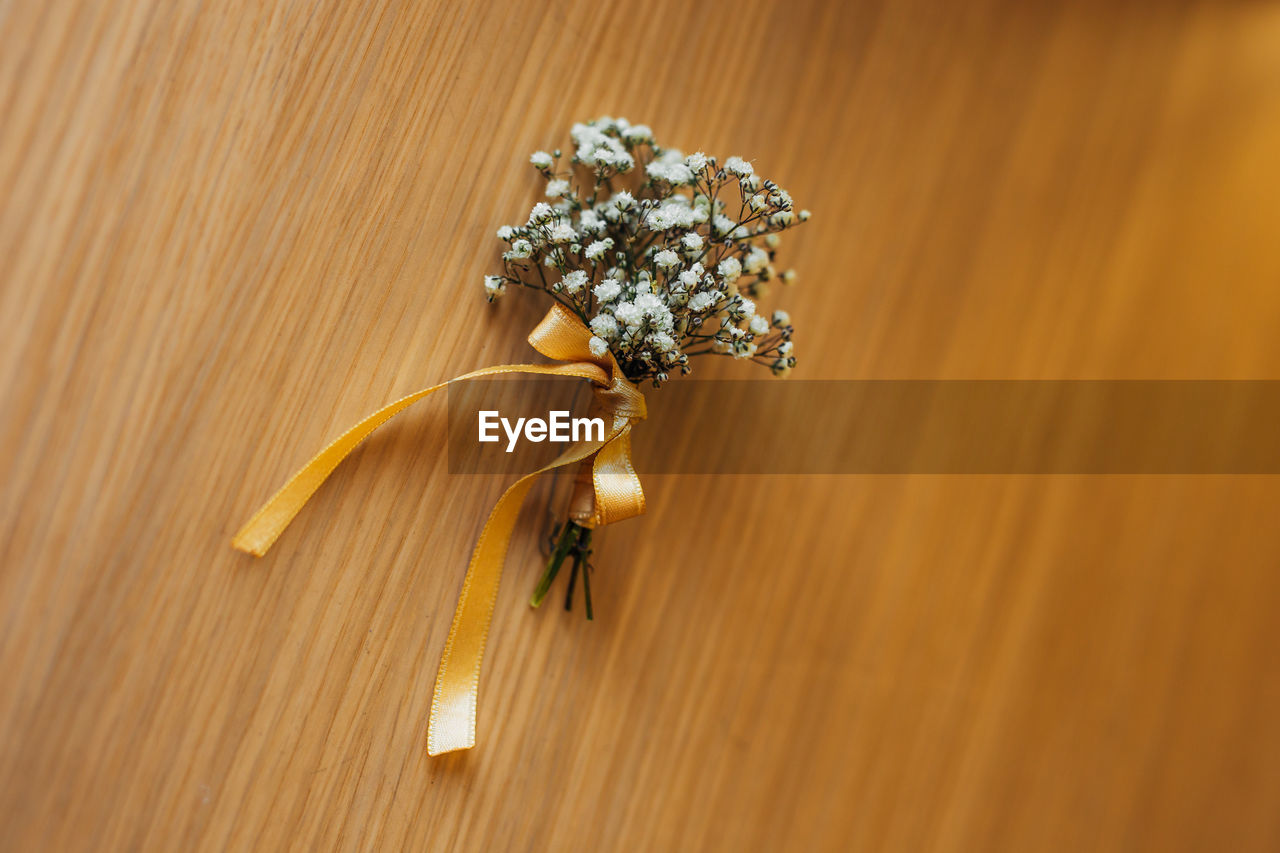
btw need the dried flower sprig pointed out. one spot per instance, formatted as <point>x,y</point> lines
<point>662,255</point>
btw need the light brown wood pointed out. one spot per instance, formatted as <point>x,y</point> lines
<point>228,230</point>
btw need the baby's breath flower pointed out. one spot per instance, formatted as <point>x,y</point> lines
<point>506,232</point>
<point>739,167</point>
<point>574,281</point>
<point>541,213</point>
<point>756,260</point>
<point>605,326</point>
<point>628,314</point>
<point>638,133</point>
<point>758,325</point>
<point>656,311</point>
<point>562,232</point>
<point>597,148</point>
<point>781,318</point>
<point>670,167</point>
<point>597,249</point>
<point>494,286</point>
<point>607,290</point>
<point>804,215</point>
<point>650,303</point>
<point>557,187</point>
<point>692,241</point>
<point>521,249</point>
<point>666,259</point>
<point>729,269</point>
<point>541,159</point>
<point>670,215</point>
<point>704,300</point>
<point>599,346</point>
<point>723,225</point>
<point>662,342</point>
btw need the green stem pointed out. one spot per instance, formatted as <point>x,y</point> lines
<point>573,577</point>
<point>567,537</point>
<point>586,582</point>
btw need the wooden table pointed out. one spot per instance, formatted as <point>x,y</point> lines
<point>228,230</point>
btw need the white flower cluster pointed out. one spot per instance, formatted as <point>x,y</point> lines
<point>663,255</point>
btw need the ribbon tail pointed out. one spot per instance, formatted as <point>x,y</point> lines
<point>457,692</point>
<point>261,531</point>
<point>617,489</point>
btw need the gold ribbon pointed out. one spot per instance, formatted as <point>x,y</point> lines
<point>611,493</point>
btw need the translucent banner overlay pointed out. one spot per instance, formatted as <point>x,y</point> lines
<point>771,426</point>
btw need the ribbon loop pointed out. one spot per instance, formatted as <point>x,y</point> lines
<point>614,494</point>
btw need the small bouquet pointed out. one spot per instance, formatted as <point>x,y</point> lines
<point>663,256</point>
<point>653,258</point>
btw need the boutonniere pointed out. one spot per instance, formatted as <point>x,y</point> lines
<point>652,258</point>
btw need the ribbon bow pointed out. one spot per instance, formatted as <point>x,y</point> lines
<point>611,493</point>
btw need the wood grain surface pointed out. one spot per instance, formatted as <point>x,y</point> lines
<point>228,230</point>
